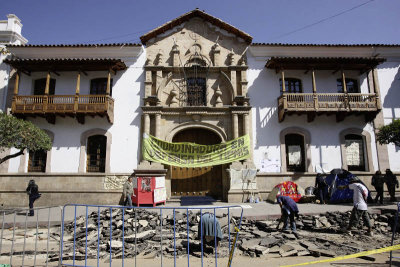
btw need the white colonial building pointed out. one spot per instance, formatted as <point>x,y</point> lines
<point>307,108</point>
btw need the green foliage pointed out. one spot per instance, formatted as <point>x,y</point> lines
<point>390,133</point>
<point>22,134</point>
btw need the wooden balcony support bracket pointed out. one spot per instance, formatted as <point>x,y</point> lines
<point>80,118</point>
<point>311,116</point>
<point>51,118</point>
<point>56,73</point>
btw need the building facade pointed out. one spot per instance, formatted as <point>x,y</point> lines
<point>307,109</point>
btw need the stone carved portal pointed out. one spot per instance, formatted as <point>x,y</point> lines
<point>204,181</point>
<point>196,75</point>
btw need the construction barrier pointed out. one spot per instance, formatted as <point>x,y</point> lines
<point>352,256</point>
<point>29,240</point>
<point>101,235</point>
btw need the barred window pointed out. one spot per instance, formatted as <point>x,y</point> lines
<point>292,85</point>
<point>96,153</point>
<point>37,161</point>
<point>196,91</point>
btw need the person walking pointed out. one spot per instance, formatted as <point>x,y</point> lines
<point>391,182</point>
<point>378,181</point>
<point>128,192</point>
<point>33,192</point>
<point>289,210</point>
<point>360,208</point>
<point>322,188</point>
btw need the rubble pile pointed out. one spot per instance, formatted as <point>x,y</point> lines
<point>319,235</point>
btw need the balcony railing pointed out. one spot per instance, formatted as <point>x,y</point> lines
<point>63,104</point>
<point>326,102</point>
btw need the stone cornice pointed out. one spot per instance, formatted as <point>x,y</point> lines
<point>210,69</point>
<point>209,111</point>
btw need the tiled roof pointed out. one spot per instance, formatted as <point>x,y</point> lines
<point>325,63</point>
<point>195,13</point>
<point>66,64</point>
<point>75,45</point>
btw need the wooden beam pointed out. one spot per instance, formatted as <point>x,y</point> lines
<point>16,85</point>
<point>56,73</point>
<point>283,81</point>
<point>46,89</point>
<point>344,86</point>
<point>78,84</point>
<point>314,86</point>
<point>108,90</point>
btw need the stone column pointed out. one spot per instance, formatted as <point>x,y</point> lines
<point>382,150</point>
<point>175,59</point>
<point>246,129</point>
<point>244,82</point>
<point>233,81</point>
<point>148,84</point>
<point>217,55</point>
<point>158,127</point>
<point>235,125</point>
<point>146,123</point>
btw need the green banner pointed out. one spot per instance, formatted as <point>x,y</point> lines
<point>192,155</point>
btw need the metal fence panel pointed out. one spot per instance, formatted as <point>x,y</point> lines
<point>119,235</point>
<point>30,240</point>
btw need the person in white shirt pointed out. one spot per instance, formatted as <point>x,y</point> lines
<point>360,209</point>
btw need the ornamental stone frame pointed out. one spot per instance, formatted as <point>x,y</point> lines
<point>366,136</point>
<point>83,154</point>
<point>307,147</point>
<point>24,158</point>
<point>190,125</point>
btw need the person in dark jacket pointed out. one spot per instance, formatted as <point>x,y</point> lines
<point>289,210</point>
<point>391,181</point>
<point>322,188</point>
<point>378,181</point>
<point>33,192</point>
<point>209,230</point>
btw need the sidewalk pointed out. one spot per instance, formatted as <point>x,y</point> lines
<point>255,211</point>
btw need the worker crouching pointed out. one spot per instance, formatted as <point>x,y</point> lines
<point>289,211</point>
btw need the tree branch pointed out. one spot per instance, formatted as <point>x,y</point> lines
<point>21,152</point>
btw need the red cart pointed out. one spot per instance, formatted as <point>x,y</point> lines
<point>149,190</point>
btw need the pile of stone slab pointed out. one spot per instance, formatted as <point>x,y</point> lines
<point>146,235</point>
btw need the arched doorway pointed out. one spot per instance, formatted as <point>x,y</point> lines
<point>202,181</point>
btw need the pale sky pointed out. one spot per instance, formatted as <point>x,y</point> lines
<point>278,21</point>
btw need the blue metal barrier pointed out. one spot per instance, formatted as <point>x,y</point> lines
<point>192,213</point>
<point>19,246</point>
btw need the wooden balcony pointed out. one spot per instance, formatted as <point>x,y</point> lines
<point>339,104</point>
<point>50,106</point>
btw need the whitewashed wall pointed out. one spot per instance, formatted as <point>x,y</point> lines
<point>324,131</point>
<point>127,92</point>
<point>389,80</point>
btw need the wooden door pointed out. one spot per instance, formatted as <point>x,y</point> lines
<point>202,181</point>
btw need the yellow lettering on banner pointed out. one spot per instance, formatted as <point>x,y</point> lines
<point>356,255</point>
